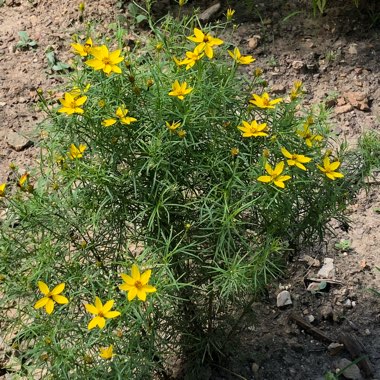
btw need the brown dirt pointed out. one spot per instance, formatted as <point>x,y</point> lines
<point>337,57</point>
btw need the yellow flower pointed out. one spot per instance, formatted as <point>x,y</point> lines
<point>308,136</point>
<point>50,297</point>
<point>173,126</point>
<point>76,152</point>
<point>234,151</point>
<point>258,72</point>
<point>242,59</point>
<point>296,90</point>
<point>295,159</point>
<point>275,175</point>
<point>137,285</point>
<point>83,50</point>
<point>329,169</point>
<point>121,114</point>
<point>180,90</point>
<point>106,352</point>
<point>206,42</point>
<point>71,104</point>
<point>181,134</point>
<point>23,180</point>
<point>101,312</point>
<point>2,189</point>
<point>264,101</point>
<point>192,58</point>
<point>230,13</point>
<point>253,129</point>
<point>105,60</point>
<point>76,91</point>
<point>159,46</point>
<point>181,3</point>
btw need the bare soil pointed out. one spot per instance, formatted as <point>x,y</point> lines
<point>337,57</point>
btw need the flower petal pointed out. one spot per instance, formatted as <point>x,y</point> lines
<point>49,307</point>
<point>43,287</point>
<point>58,289</point>
<point>108,306</point>
<point>135,272</point>
<point>145,277</point>
<point>149,289</point>
<point>112,314</point>
<point>91,309</point>
<point>132,294</point>
<point>41,303</point>
<point>141,295</point>
<point>60,299</point>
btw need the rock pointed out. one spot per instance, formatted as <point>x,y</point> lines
<point>347,303</point>
<point>328,269</point>
<point>255,369</point>
<point>352,49</point>
<point>335,348</point>
<point>358,100</point>
<point>253,42</point>
<point>18,142</point>
<point>352,372</point>
<point>313,287</point>
<point>310,318</point>
<point>206,15</point>
<point>341,101</point>
<point>326,311</point>
<point>278,89</point>
<point>343,109</point>
<point>283,299</point>
<point>298,65</point>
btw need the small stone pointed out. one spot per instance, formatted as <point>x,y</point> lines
<point>358,100</point>
<point>341,101</point>
<point>253,42</point>
<point>352,372</point>
<point>313,287</point>
<point>298,65</point>
<point>18,142</point>
<point>255,369</point>
<point>326,311</point>
<point>328,269</point>
<point>367,332</point>
<point>335,348</point>
<point>343,109</point>
<point>347,303</point>
<point>353,303</point>
<point>310,318</point>
<point>283,299</point>
<point>278,89</point>
<point>352,49</point>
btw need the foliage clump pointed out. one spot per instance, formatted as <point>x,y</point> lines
<point>171,186</point>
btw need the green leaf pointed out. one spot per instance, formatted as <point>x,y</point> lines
<point>140,18</point>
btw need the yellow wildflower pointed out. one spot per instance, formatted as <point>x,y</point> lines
<point>101,312</point>
<point>181,134</point>
<point>76,91</point>
<point>192,58</point>
<point>253,129</point>
<point>180,90</point>
<point>105,60</point>
<point>71,104</point>
<point>50,297</point>
<point>76,152</point>
<point>137,285</point>
<point>83,50</point>
<point>295,159</point>
<point>230,13</point>
<point>206,42</point>
<point>2,189</point>
<point>264,101</point>
<point>308,136</point>
<point>275,175</point>
<point>329,169</point>
<point>173,126</point>
<point>159,46</point>
<point>23,180</point>
<point>258,72</point>
<point>242,59</point>
<point>121,114</point>
<point>106,352</point>
<point>234,151</point>
<point>296,90</point>
<point>181,3</point>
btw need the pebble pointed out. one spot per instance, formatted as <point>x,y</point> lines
<point>310,318</point>
<point>326,311</point>
<point>298,65</point>
<point>284,299</point>
<point>347,303</point>
<point>352,49</point>
<point>344,109</point>
<point>352,372</point>
<point>18,142</point>
<point>209,12</point>
<point>328,269</point>
<point>335,348</point>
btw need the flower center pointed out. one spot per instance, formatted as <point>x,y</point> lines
<point>138,285</point>
<point>100,314</point>
<point>266,102</point>
<point>106,61</point>
<point>73,104</point>
<point>206,38</point>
